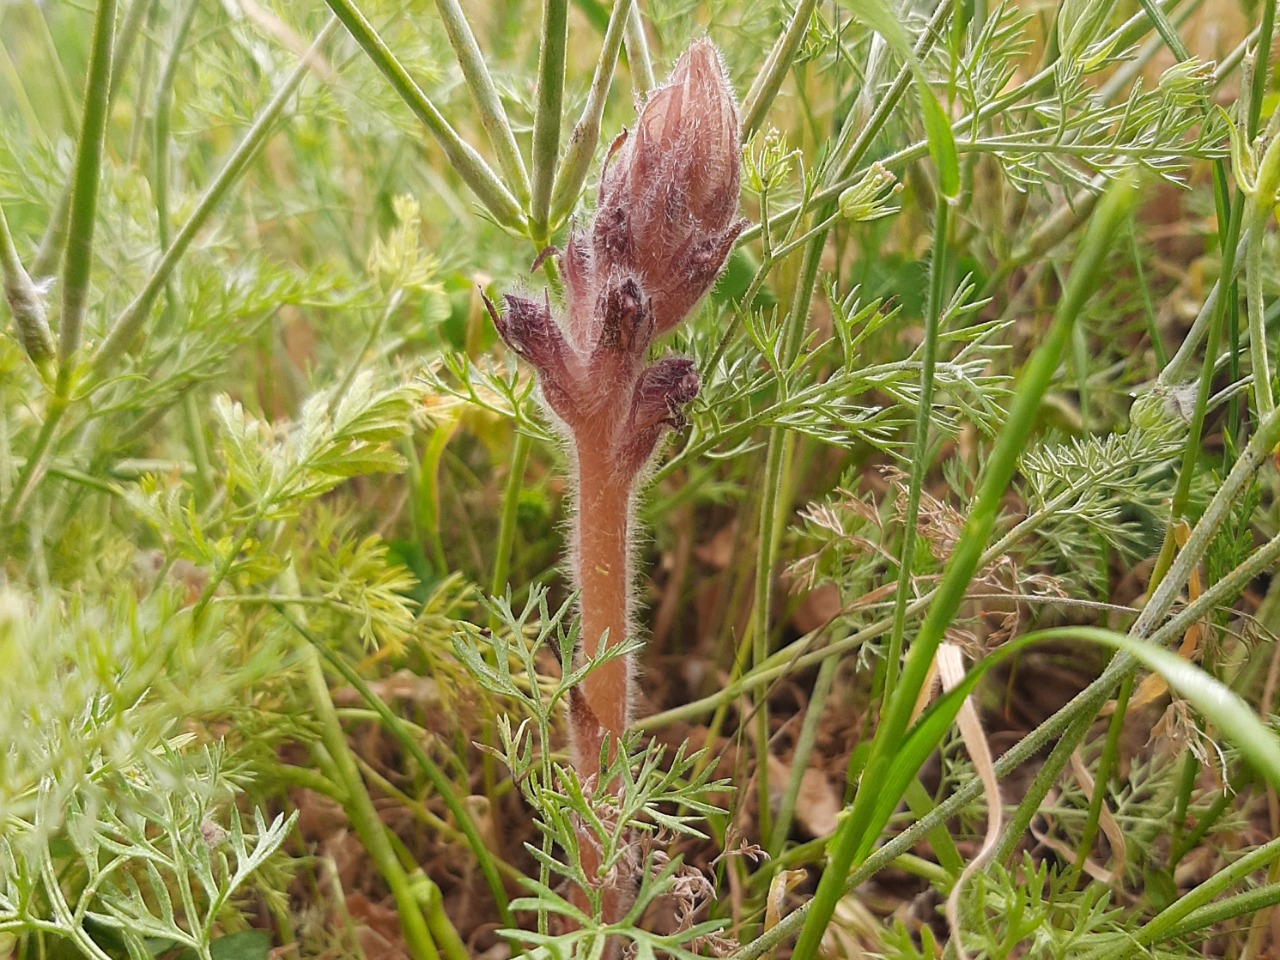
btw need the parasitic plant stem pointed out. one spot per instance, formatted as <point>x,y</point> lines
<point>604,575</point>
<point>665,222</point>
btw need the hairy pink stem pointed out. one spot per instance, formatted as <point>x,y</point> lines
<point>604,576</point>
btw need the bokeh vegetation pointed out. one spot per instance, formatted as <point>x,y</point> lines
<point>987,403</point>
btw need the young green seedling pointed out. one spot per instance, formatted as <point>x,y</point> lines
<point>664,224</point>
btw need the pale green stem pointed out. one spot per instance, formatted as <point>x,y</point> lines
<point>50,250</point>
<point>1261,206</point>
<point>920,445</point>
<point>772,503</point>
<point>25,107</point>
<point>357,359</point>
<point>66,96</point>
<point>638,59</point>
<point>53,240</point>
<point>510,509</point>
<point>126,40</point>
<point>1102,779</point>
<point>485,96</point>
<point>163,117</point>
<point>546,115</point>
<point>127,325</point>
<point>466,162</point>
<point>800,757</point>
<point>1261,63</point>
<point>363,815</point>
<point>1251,903</point>
<point>1233,211</point>
<point>769,80</point>
<point>586,133</point>
<point>1175,371</point>
<point>84,196</point>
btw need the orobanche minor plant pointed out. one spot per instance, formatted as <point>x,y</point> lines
<point>664,224</point>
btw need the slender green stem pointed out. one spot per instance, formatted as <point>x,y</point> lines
<point>772,519</point>
<point>84,196</point>
<point>364,817</point>
<point>771,523</point>
<point>546,115</point>
<point>163,120</point>
<point>53,240</point>
<point>1106,765</point>
<point>357,360</point>
<point>586,133</point>
<point>769,80</point>
<point>1224,799</point>
<point>1261,65</point>
<point>1260,207</point>
<point>1148,309</point>
<point>126,39</point>
<point>1033,796</point>
<point>520,447</point>
<point>1251,903</point>
<point>129,323</point>
<point>800,757</point>
<point>638,59</point>
<point>1175,371</point>
<point>1160,927</point>
<point>83,205</point>
<point>1195,430</point>
<point>485,96</point>
<point>466,162</point>
<point>66,96</point>
<point>439,782</point>
<point>920,442</point>
<point>1186,785</point>
<point>33,120</point>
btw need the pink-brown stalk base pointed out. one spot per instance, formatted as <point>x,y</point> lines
<point>603,565</point>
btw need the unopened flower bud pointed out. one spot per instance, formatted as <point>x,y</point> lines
<point>669,197</point>
<point>868,199</point>
<point>26,302</point>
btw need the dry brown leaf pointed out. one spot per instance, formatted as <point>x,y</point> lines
<point>817,804</point>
